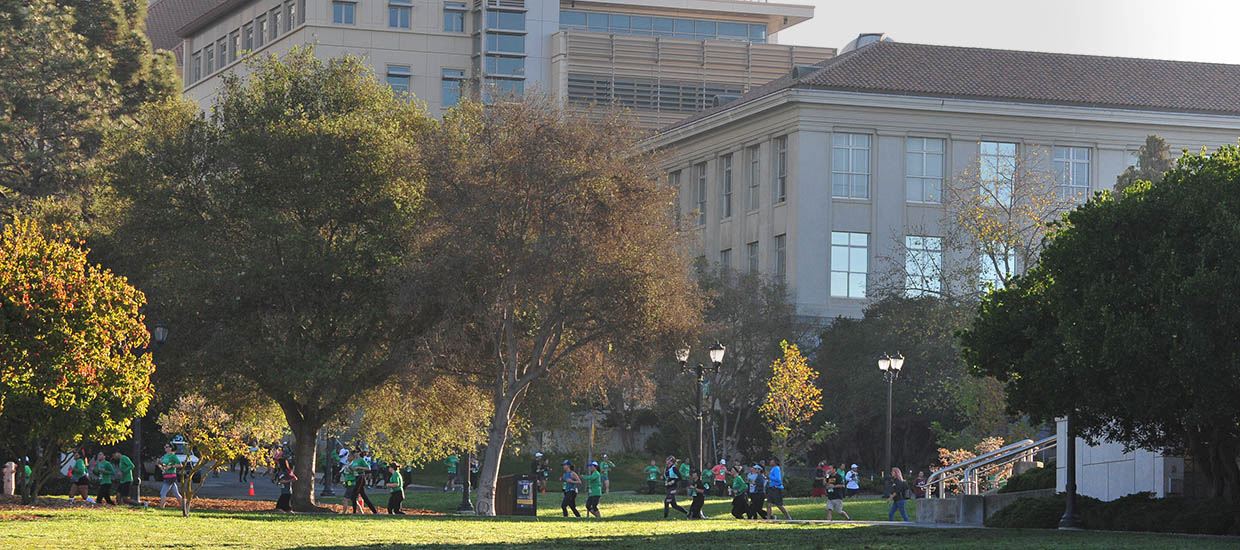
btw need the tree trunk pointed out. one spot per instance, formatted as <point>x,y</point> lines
<point>305,449</point>
<point>497,438</point>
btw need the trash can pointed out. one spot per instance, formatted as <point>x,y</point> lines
<point>516,495</point>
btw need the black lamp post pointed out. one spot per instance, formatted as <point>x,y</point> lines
<point>329,466</point>
<point>159,335</point>
<point>466,505</point>
<point>890,367</point>
<point>716,359</point>
<point>1070,520</point>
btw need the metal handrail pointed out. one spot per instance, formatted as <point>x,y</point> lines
<point>967,471</point>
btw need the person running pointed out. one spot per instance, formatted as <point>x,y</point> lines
<point>243,469</point>
<point>671,482</point>
<point>27,479</point>
<point>740,502</point>
<point>124,475</point>
<point>852,481</point>
<point>720,474</point>
<point>169,466</point>
<point>475,467</point>
<point>349,480</point>
<point>453,462</point>
<point>652,477</point>
<point>697,490</point>
<point>775,490</point>
<point>897,492</point>
<point>79,479</point>
<point>835,498</point>
<point>541,472</point>
<point>285,478</point>
<point>396,484</point>
<point>604,468</point>
<point>361,469</point>
<point>105,471</point>
<point>820,480</point>
<point>596,485</point>
<point>572,482</point>
<point>757,493</point>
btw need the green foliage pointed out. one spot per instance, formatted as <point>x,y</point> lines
<point>422,421</point>
<point>1135,512</point>
<point>792,398</point>
<point>1153,160</point>
<point>1037,478</point>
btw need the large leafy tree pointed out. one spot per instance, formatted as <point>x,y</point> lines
<point>71,336</point>
<point>1153,160</point>
<point>792,398</point>
<point>1128,324</point>
<point>282,234</point>
<point>559,237</point>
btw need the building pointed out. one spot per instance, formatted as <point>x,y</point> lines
<point>821,173</point>
<point>661,59</point>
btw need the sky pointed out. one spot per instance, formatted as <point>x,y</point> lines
<point>1185,30</point>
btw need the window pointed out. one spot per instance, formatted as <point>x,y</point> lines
<point>997,267</point>
<point>398,77</point>
<point>725,260</point>
<point>221,50</point>
<point>508,66</point>
<point>781,257</point>
<point>400,13</point>
<point>923,169</point>
<point>700,170</point>
<point>673,181</point>
<point>506,43</point>
<point>997,171</point>
<point>1072,172</point>
<point>208,53</point>
<point>499,87</point>
<point>344,13</point>
<point>234,45</point>
<point>452,80</point>
<point>850,166</point>
<point>506,20</point>
<point>755,178</point>
<point>849,264</point>
<point>751,251</point>
<point>260,30</point>
<point>290,15</point>
<point>781,169</point>
<point>195,67</point>
<point>725,187</point>
<point>274,17</point>
<point>696,29</point>
<point>453,17</point>
<point>247,37</point>
<point>663,95</point>
<point>923,265</point>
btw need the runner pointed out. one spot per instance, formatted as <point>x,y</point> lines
<point>720,472</point>
<point>541,472</point>
<point>775,490</point>
<point>396,484</point>
<point>604,468</point>
<point>683,471</point>
<point>79,480</point>
<point>360,470</point>
<point>104,470</point>
<point>124,468</point>
<point>697,490</point>
<point>169,465</point>
<point>652,477</point>
<point>285,478</point>
<point>740,502</point>
<point>852,481</point>
<point>671,482</point>
<point>757,493</point>
<point>349,479</point>
<point>596,485</point>
<point>452,462</point>
<point>835,499</point>
<point>572,482</point>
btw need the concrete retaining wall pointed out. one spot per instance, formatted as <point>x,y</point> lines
<point>971,509</point>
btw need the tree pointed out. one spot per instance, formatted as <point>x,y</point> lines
<point>71,337</point>
<point>1127,325</point>
<point>792,398</point>
<point>558,235</point>
<point>422,420</point>
<point>282,234</point>
<point>1153,160</point>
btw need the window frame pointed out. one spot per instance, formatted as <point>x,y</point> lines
<point>927,249</point>
<point>779,154</point>
<point>754,154</point>
<point>395,9</point>
<point>457,11</point>
<point>458,77</point>
<point>1069,189</point>
<point>399,71</point>
<point>850,172</point>
<point>700,191</point>
<point>996,196</point>
<point>752,255</point>
<point>849,271</point>
<point>725,186</point>
<point>348,12</point>
<point>923,156</point>
<point>780,257</point>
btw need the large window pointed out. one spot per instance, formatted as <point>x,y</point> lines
<point>221,50</point>
<point>923,265</point>
<point>642,25</point>
<point>195,67</point>
<point>234,45</point>
<point>751,252</point>
<point>506,20</point>
<point>507,66</point>
<point>668,96</point>
<point>274,17</point>
<point>398,77</point>
<point>781,169</point>
<point>725,260</point>
<point>923,169</point>
<point>996,267</point>
<point>400,14</point>
<point>699,170</point>
<point>850,260</point>
<point>725,186</point>
<point>505,43</point>
<point>997,171</point>
<point>344,13</point>
<point>755,176</point>
<point>1072,172</point>
<point>290,15</point>
<point>208,53</point>
<point>781,257</point>
<point>453,17</point>
<point>850,166</point>
<point>673,181</point>
<point>260,30</point>
<point>452,80</point>
<point>247,37</point>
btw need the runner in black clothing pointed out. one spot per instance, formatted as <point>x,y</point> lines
<point>671,483</point>
<point>757,493</point>
<point>698,490</point>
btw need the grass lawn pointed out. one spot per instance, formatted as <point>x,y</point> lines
<point>630,522</point>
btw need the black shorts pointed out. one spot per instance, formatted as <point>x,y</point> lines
<point>592,503</point>
<point>775,495</point>
<point>124,488</point>
<point>82,481</point>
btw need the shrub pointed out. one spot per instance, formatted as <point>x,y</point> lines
<point>1037,478</point>
<point>1029,512</point>
<point>1136,512</point>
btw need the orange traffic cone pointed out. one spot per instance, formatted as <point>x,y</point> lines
<point>251,488</point>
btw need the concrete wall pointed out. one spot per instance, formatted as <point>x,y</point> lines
<point>1106,472</point>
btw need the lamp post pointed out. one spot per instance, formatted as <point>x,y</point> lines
<point>1070,521</point>
<point>466,505</point>
<point>328,465</point>
<point>716,360</point>
<point>159,335</point>
<point>890,367</point>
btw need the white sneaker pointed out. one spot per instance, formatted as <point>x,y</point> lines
<point>90,500</point>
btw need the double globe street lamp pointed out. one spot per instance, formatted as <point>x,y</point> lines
<point>890,367</point>
<point>716,360</point>
<point>159,335</point>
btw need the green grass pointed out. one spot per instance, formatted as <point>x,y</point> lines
<point>630,522</point>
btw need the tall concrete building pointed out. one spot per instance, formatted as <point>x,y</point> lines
<point>661,59</point>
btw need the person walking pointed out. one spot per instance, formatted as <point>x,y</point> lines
<point>243,467</point>
<point>835,498</point>
<point>697,490</point>
<point>169,467</point>
<point>104,471</point>
<point>124,474</point>
<point>683,472</point>
<point>572,482</point>
<point>596,485</point>
<point>453,463</point>
<point>79,479</point>
<point>919,485</point>
<point>361,469</point>
<point>396,484</point>
<point>285,478</point>
<point>740,501</point>
<point>604,468</point>
<point>775,490</point>
<point>652,477</point>
<point>720,474</point>
<point>898,493</point>
<point>757,493</point>
<point>671,484</point>
<point>541,472</point>
<point>852,481</point>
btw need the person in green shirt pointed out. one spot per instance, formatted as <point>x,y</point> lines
<point>604,467</point>
<point>104,470</point>
<point>740,501</point>
<point>652,477</point>
<point>452,461</point>
<point>27,475</point>
<point>169,464</point>
<point>360,467</point>
<point>594,488</point>
<point>79,480</point>
<point>683,470</point>
<point>396,484</point>
<point>124,474</point>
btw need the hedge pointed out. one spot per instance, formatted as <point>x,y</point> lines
<point>1037,478</point>
<point>1136,512</point>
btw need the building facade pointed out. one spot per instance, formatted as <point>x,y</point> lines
<point>660,59</point>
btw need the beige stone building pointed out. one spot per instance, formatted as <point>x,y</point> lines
<point>661,59</point>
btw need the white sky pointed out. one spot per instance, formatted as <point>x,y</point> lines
<point>1189,30</point>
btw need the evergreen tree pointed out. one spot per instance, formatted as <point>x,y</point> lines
<point>1153,160</point>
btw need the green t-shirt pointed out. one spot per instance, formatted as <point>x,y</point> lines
<point>27,472</point>
<point>400,484</point>
<point>684,470</point>
<point>79,468</point>
<point>739,485</point>
<point>105,470</point>
<point>594,484</point>
<point>652,473</point>
<point>452,461</point>
<point>606,466</point>
<point>126,470</point>
<point>347,475</point>
<point>359,466</point>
